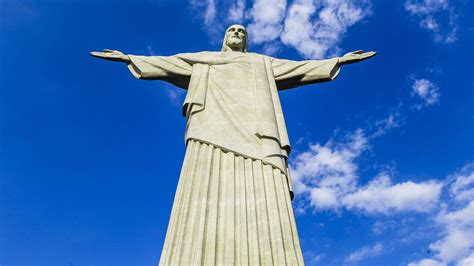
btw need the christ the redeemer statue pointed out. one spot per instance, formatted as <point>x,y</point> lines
<point>233,201</point>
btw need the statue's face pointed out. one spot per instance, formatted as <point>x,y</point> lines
<point>235,37</point>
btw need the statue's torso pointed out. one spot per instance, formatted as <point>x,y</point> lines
<point>238,89</point>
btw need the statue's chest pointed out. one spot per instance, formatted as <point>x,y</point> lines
<point>235,84</point>
<point>238,77</point>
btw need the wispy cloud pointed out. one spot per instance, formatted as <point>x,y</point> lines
<point>364,253</point>
<point>208,11</point>
<point>385,125</point>
<point>150,50</point>
<point>381,226</point>
<point>462,188</point>
<point>430,13</point>
<point>236,11</point>
<point>427,91</point>
<point>175,95</point>
<point>312,258</point>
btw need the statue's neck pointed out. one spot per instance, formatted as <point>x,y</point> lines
<point>232,49</point>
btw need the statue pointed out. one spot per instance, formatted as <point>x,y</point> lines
<point>233,200</point>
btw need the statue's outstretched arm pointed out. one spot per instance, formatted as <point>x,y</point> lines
<point>171,69</point>
<point>291,74</point>
<point>112,55</point>
<point>356,56</point>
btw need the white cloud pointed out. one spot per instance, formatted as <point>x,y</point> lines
<point>364,253</point>
<point>429,13</point>
<point>456,245</point>
<point>328,172</point>
<point>427,91</point>
<point>467,261</point>
<point>381,196</point>
<point>458,240</point>
<point>315,28</point>
<point>326,177</point>
<point>266,20</point>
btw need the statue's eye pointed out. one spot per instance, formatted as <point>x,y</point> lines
<point>231,29</point>
<point>241,30</point>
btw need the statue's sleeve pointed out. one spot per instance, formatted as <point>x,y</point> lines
<point>167,68</point>
<point>290,74</point>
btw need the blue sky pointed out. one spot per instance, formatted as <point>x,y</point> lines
<point>382,158</point>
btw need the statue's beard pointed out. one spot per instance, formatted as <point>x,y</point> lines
<point>235,43</point>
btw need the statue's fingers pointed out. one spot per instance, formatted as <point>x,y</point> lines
<point>366,55</point>
<point>369,54</point>
<point>102,55</point>
<point>97,54</point>
<point>357,52</point>
<point>109,51</point>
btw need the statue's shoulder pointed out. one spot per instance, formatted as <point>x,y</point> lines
<point>218,53</point>
<point>203,53</point>
<point>260,56</point>
<point>207,57</point>
<point>199,55</point>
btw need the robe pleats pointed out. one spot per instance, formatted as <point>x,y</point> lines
<point>230,210</point>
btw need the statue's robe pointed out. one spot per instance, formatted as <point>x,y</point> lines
<point>233,201</point>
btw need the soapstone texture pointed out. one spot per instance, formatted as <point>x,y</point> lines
<point>233,201</point>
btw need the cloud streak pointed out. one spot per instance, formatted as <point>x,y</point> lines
<point>364,253</point>
<point>236,11</point>
<point>429,14</point>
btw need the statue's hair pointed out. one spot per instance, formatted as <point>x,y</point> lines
<point>246,44</point>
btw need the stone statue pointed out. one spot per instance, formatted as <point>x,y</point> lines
<point>233,201</point>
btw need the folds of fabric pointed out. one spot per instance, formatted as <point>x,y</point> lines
<point>232,100</point>
<point>230,210</point>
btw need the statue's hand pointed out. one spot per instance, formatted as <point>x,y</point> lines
<point>356,56</point>
<point>112,55</point>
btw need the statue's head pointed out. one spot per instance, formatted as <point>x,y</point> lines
<point>235,39</point>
